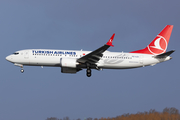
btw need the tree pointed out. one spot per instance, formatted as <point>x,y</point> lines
<point>52,118</point>
<point>171,110</point>
<point>89,118</point>
<point>66,118</point>
<point>152,111</point>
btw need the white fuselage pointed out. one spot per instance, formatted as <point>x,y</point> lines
<point>109,60</point>
<point>72,61</point>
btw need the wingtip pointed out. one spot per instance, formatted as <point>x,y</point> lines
<point>111,40</point>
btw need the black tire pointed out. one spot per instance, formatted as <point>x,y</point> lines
<point>88,75</point>
<point>88,70</point>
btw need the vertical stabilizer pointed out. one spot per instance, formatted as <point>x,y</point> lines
<point>159,44</point>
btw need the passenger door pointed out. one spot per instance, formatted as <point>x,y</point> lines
<point>26,54</point>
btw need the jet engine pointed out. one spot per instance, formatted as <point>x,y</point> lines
<point>68,65</point>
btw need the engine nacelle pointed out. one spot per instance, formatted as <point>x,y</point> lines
<point>68,62</point>
<point>68,70</point>
<point>68,65</point>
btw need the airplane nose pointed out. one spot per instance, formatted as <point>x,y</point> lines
<point>8,58</point>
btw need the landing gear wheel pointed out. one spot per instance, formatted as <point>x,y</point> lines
<point>22,70</point>
<point>89,75</point>
<point>88,72</point>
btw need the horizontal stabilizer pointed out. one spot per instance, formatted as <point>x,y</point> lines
<point>164,55</point>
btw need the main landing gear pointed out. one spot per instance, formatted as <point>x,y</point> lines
<point>89,66</point>
<point>88,72</point>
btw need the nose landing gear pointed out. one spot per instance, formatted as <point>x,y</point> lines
<point>19,65</point>
<point>22,70</point>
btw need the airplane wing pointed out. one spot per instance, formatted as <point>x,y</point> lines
<point>96,55</point>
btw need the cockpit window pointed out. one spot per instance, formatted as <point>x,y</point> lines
<point>16,53</point>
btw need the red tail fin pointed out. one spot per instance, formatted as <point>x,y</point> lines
<point>159,44</point>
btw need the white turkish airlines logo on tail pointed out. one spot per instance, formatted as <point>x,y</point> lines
<point>110,40</point>
<point>158,46</point>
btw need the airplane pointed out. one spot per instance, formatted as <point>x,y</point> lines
<point>73,61</point>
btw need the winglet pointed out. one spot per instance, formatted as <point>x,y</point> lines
<point>110,40</point>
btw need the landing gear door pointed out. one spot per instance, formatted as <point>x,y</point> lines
<point>26,54</point>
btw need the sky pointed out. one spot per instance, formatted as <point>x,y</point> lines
<point>39,93</point>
